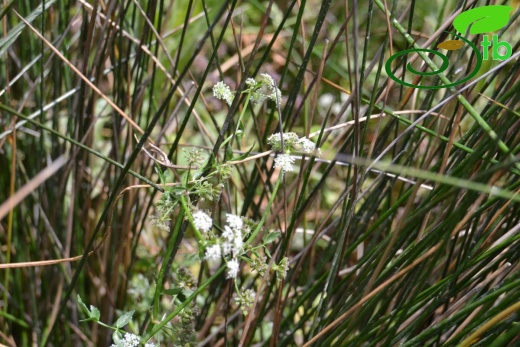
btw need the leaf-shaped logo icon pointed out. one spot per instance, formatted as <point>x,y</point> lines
<point>484,19</point>
<point>451,45</point>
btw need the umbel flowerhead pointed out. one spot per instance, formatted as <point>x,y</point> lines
<point>289,142</point>
<point>229,244</point>
<point>284,162</point>
<point>259,90</point>
<point>222,91</point>
<point>263,89</point>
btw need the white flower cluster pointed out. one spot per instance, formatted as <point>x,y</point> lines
<point>291,141</point>
<point>131,340</point>
<point>232,235</point>
<point>308,145</point>
<point>284,162</point>
<point>213,252</point>
<point>264,89</point>
<point>235,222</point>
<point>233,243</point>
<point>229,244</point>
<point>222,91</point>
<point>232,268</point>
<point>261,90</point>
<point>202,221</point>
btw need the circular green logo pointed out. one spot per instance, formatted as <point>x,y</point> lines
<point>445,65</point>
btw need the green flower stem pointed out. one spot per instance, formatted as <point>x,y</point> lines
<point>239,119</point>
<point>481,122</point>
<point>262,221</point>
<point>226,141</point>
<point>106,325</point>
<point>187,211</point>
<point>237,289</point>
<point>171,246</point>
<point>179,308</point>
<point>243,109</point>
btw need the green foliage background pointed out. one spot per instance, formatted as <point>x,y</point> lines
<point>404,232</point>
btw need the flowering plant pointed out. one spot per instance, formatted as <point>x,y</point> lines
<point>228,247</point>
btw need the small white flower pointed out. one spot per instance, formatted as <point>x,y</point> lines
<point>285,162</point>
<point>251,82</point>
<point>267,79</point>
<point>149,344</point>
<point>234,222</point>
<point>232,268</point>
<point>129,340</point>
<point>228,233</point>
<point>222,92</point>
<point>257,97</point>
<point>308,145</point>
<point>275,140</point>
<point>238,243</point>
<point>213,252</point>
<point>264,89</point>
<point>202,221</point>
<point>276,96</point>
<point>289,140</point>
<point>232,240</point>
<point>227,247</point>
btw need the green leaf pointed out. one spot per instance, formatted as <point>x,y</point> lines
<point>267,252</point>
<point>172,291</point>
<point>240,131</point>
<point>229,153</point>
<point>94,313</point>
<point>83,306</point>
<point>177,190</point>
<point>200,171</point>
<point>184,294</point>
<point>124,319</point>
<point>244,155</point>
<point>117,337</point>
<point>271,237</point>
<point>160,173</point>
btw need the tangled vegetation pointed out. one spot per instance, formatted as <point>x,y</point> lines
<point>246,173</point>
